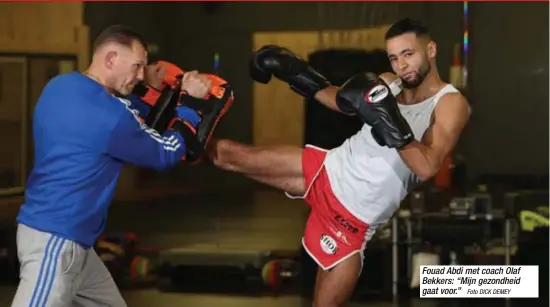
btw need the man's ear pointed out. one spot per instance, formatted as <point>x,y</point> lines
<point>110,58</point>
<point>431,49</point>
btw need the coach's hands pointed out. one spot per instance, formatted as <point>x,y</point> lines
<point>195,84</point>
<point>154,75</point>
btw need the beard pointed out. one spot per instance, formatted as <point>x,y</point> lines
<point>126,89</point>
<point>418,76</point>
<point>120,89</point>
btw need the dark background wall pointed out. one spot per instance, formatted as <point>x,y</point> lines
<point>509,92</point>
<point>508,75</point>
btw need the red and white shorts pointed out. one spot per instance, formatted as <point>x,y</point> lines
<point>332,233</point>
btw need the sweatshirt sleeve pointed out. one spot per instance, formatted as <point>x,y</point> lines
<point>133,142</point>
<point>138,104</point>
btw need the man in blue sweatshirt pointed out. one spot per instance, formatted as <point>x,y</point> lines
<point>83,134</point>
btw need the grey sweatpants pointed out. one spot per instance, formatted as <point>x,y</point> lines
<point>56,272</point>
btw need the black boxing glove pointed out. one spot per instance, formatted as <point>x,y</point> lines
<point>370,98</point>
<point>282,63</point>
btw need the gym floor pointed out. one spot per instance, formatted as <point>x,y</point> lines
<point>264,220</point>
<point>148,298</point>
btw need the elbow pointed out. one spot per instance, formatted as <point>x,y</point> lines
<point>426,173</point>
<point>424,177</point>
<point>166,163</point>
<point>428,169</point>
<point>170,156</point>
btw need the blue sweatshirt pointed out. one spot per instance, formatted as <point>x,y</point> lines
<point>82,137</point>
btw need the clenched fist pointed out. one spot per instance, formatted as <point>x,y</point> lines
<point>195,84</point>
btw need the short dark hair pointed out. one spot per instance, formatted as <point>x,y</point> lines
<point>121,34</point>
<point>407,25</point>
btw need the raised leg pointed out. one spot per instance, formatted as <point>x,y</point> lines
<point>276,166</point>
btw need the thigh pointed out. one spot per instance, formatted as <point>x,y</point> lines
<point>332,233</point>
<point>294,185</point>
<point>97,287</point>
<point>335,239</point>
<point>334,287</point>
<point>284,161</point>
<point>330,243</point>
<point>263,161</point>
<point>48,269</point>
<point>277,166</point>
<point>301,179</point>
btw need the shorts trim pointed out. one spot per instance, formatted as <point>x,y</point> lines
<point>337,262</point>
<point>313,179</point>
<point>308,187</point>
<point>315,147</point>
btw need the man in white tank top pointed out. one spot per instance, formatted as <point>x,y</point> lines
<point>355,188</point>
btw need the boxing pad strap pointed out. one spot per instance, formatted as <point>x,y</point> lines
<point>141,89</point>
<point>206,104</point>
<point>164,110</point>
<point>149,95</point>
<point>188,132</point>
<point>199,105</point>
<point>210,119</point>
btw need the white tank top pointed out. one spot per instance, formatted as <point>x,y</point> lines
<point>370,180</point>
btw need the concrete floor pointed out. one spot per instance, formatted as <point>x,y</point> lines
<point>154,298</point>
<point>259,221</point>
<point>262,220</point>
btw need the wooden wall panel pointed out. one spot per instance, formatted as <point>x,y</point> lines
<point>28,28</point>
<point>44,27</point>
<point>278,112</point>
